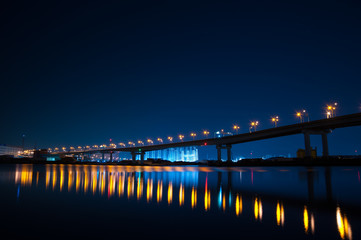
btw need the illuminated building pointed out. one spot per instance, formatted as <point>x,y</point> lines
<point>10,150</point>
<point>185,154</point>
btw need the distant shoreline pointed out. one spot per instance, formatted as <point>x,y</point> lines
<point>255,162</point>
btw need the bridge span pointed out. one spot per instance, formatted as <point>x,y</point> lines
<point>318,127</point>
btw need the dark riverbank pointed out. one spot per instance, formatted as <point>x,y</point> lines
<point>331,161</point>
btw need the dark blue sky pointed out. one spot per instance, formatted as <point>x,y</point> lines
<point>81,73</point>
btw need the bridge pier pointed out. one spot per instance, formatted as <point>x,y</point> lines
<point>307,144</point>
<point>219,152</point>
<point>142,157</point>
<point>134,156</point>
<point>324,145</point>
<point>111,156</point>
<point>229,154</point>
<point>102,156</point>
<point>323,133</point>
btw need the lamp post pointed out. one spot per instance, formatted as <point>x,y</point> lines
<point>170,139</point>
<point>331,110</point>
<point>206,133</point>
<point>275,120</point>
<point>299,115</point>
<point>236,128</point>
<point>254,126</point>
<point>181,137</point>
<point>193,135</point>
<point>305,113</point>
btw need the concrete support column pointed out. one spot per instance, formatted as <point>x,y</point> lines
<point>307,144</point>
<point>229,154</point>
<point>219,153</point>
<point>142,157</point>
<point>133,156</point>
<point>324,145</point>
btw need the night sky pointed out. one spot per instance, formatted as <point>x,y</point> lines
<point>80,73</point>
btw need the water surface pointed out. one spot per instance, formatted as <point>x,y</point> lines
<point>92,201</point>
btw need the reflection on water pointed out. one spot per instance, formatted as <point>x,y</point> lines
<point>216,187</point>
<point>194,197</point>
<point>343,225</point>
<point>280,214</point>
<point>258,211</point>
<point>308,221</point>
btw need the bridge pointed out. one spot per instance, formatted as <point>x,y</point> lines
<point>318,127</point>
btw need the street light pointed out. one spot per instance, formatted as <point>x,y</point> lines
<point>149,141</point>
<point>275,120</point>
<point>170,139</point>
<point>160,140</point>
<point>254,126</point>
<point>236,128</point>
<point>330,110</point>
<point>206,133</point>
<point>121,144</point>
<point>299,115</point>
<point>141,142</point>
<point>305,113</point>
<point>181,137</point>
<point>131,144</point>
<point>328,114</point>
<point>193,135</point>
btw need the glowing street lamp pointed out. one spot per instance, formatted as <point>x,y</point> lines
<point>121,144</point>
<point>160,140</point>
<point>141,142</point>
<point>131,144</point>
<point>149,141</point>
<point>181,137</point>
<point>328,114</point>
<point>193,135</point>
<point>236,128</point>
<point>64,149</point>
<point>330,110</point>
<point>275,120</point>
<point>206,133</point>
<point>254,126</point>
<point>170,139</point>
<point>72,148</point>
<point>305,113</point>
<point>299,115</point>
